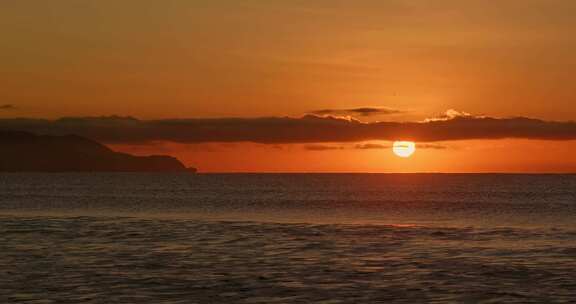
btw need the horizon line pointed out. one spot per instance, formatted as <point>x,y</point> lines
<point>347,172</point>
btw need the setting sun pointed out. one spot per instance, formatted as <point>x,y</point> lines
<point>404,149</point>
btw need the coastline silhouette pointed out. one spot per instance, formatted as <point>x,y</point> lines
<point>27,152</point>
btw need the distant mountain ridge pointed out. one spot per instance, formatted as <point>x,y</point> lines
<point>27,152</point>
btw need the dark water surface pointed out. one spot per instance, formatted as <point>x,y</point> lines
<point>293,238</point>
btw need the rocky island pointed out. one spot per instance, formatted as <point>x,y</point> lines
<point>28,152</point>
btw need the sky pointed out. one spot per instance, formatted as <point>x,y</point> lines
<point>300,86</point>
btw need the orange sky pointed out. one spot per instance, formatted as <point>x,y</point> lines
<point>226,58</point>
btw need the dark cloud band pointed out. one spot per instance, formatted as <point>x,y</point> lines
<point>307,129</point>
<point>7,107</point>
<point>365,111</point>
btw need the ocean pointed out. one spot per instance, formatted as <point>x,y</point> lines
<point>287,238</point>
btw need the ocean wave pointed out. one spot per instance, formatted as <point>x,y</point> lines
<point>93,259</point>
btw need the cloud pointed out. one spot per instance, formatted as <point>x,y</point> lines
<point>323,147</point>
<point>364,111</point>
<point>452,114</point>
<point>7,107</point>
<point>371,146</point>
<point>310,129</point>
<point>431,146</point>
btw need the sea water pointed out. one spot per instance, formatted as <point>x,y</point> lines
<point>287,238</point>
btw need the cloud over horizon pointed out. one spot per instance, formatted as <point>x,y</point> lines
<point>373,146</point>
<point>323,147</point>
<point>363,111</point>
<point>5,107</point>
<point>367,146</point>
<point>307,129</point>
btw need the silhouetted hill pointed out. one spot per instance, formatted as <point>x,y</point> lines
<point>23,151</point>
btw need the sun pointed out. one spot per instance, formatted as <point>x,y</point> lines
<point>404,149</point>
